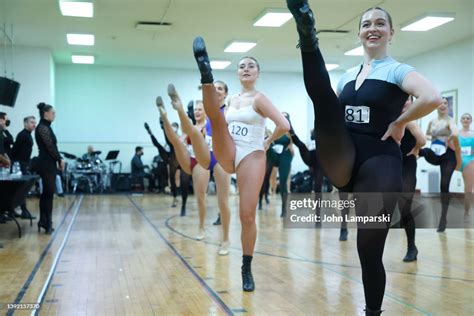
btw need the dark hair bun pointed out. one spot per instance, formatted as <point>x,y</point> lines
<point>41,106</point>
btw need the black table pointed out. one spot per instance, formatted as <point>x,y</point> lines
<point>13,191</point>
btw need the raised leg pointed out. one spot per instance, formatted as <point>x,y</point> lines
<point>180,150</point>
<point>222,143</point>
<point>201,149</point>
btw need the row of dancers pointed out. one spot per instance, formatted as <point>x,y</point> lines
<point>365,133</point>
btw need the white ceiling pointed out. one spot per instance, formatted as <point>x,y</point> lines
<point>39,23</point>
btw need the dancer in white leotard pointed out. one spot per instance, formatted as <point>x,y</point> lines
<point>239,143</point>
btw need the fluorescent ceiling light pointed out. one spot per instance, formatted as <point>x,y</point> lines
<point>239,47</point>
<point>330,67</point>
<point>80,39</point>
<point>219,64</point>
<point>359,51</point>
<point>427,23</point>
<point>82,59</point>
<point>74,8</point>
<point>272,18</point>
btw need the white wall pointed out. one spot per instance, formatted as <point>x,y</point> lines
<point>107,106</point>
<point>34,69</point>
<point>449,68</point>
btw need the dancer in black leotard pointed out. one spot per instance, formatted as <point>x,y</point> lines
<point>170,159</point>
<point>358,134</point>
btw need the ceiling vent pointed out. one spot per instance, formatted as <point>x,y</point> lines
<point>153,26</point>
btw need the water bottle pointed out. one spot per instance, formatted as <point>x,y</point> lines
<point>16,170</point>
<point>4,173</point>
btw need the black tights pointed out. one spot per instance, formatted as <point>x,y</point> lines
<point>310,158</point>
<point>170,159</point>
<point>48,179</point>
<point>406,199</point>
<point>174,166</point>
<point>337,154</point>
<point>266,181</point>
<point>447,164</point>
<point>185,179</point>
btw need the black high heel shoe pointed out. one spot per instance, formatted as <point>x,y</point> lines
<point>47,230</point>
<point>41,225</point>
<point>202,59</point>
<point>304,24</point>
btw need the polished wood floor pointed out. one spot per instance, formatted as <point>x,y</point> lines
<point>133,255</point>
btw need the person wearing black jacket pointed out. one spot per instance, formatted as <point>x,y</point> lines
<point>21,152</point>
<point>23,145</point>
<point>7,137</point>
<point>49,160</point>
<point>4,159</point>
<point>4,163</point>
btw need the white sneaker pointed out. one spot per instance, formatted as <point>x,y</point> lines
<point>201,234</point>
<point>224,249</point>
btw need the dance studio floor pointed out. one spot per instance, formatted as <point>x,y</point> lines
<point>133,255</point>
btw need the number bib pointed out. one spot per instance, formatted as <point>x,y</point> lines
<point>209,142</point>
<point>438,147</point>
<point>466,151</point>
<point>357,114</point>
<point>278,148</point>
<point>240,131</point>
<point>191,151</point>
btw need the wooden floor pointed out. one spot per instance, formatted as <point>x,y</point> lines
<point>132,255</point>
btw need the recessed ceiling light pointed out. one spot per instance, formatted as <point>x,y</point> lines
<point>427,23</point>
<point>75,8</point>
<point>358,51</point>
<point>239,47</point>
<point>273,18</point>
<point>330,67</point>
<point>220,64</point>
<point>80,39</point>
<point>82,59</point>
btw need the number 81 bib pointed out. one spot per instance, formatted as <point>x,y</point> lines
<point>357,114</point>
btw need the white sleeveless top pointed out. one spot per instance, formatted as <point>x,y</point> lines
<point>246,125</point>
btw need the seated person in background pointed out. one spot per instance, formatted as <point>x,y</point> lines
<point>89,154</point>
<point>138,170</point>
